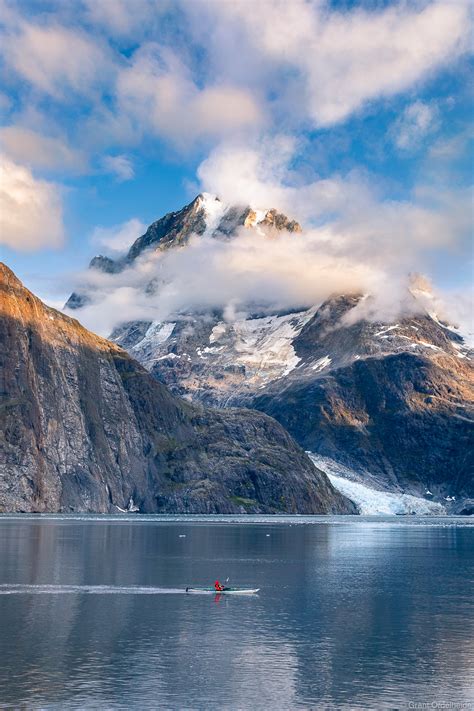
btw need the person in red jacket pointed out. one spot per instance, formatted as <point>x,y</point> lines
<point>218,586</point>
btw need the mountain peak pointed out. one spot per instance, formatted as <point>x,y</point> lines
<point>205,216</point>
<point>7,277</point>
<point>205,199</point>
<point>271,218</point>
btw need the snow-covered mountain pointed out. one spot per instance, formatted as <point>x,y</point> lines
<point>205,216</point>
<point>393,402</point>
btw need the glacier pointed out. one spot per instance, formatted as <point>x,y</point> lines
<point>371,501</point>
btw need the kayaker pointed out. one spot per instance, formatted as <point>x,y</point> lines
<point>218,586</point>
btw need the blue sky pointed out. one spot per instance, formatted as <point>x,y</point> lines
<point>355,116</point>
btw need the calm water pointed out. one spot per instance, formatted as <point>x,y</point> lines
<point>352,613</point>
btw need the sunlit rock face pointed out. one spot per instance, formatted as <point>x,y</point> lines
<point>393,401</point>
<point>86,428</point>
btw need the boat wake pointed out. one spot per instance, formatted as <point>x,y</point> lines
<point>19,589</point>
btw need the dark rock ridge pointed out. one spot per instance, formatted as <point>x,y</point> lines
<point>86,428</point>
<point>401,411</point>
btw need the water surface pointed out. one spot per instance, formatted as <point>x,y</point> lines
<point>352,613</point>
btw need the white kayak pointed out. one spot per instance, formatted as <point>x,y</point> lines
<point>226,591</point>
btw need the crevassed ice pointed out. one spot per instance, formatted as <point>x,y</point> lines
<point>263,344</point>
<point>372,501</point>
<point>157,333</point>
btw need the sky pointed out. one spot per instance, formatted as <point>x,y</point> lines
<point>355,118</point>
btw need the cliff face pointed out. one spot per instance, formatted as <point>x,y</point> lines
<point>86,428</point>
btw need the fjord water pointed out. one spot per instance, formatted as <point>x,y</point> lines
<point>352,613</point>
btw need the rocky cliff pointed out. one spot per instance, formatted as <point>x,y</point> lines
<point>86,428</point>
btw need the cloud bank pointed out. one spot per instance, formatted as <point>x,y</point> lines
<point>337,62</point>
<point>195,72</point>
<point>30,209</point>
<point>355,240</point>
<point>119,238</point>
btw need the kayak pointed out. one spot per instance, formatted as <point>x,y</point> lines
<point>226,591</point>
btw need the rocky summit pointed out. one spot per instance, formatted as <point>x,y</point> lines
<point>86,428</point>
<point>206,215</point>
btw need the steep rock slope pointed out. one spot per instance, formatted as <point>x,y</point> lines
<point>86,428</point>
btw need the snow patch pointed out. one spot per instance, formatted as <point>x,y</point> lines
<point>156,334</point>
<point>264,346</point>
<point>212,349</point>
<point>169,356</point>
<point>291,365</point>
<point>268,342</point>
<point>386,330</point>
<point>214,210</point>
<point>429,345</point>
<point>217,332</point>
<point>260,215</point>
<point>463,350</point>
<point>322,363</point>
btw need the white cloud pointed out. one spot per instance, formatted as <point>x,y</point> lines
<point>417,120</point>
<point>124,18</point>
<point>447,150</point>
<point>56,59</point>
<point>157,91</point>
<point>354,240</point>
<point>120,166</point>
<point>349,211</point>
<point>294,64</point>
<point>333,62</point>
<point>119,237</point>
<point>260,174</point>
<point>31,148</point>
<point>249,271</point>
<point>240,173</point>
<point>30,209</point>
